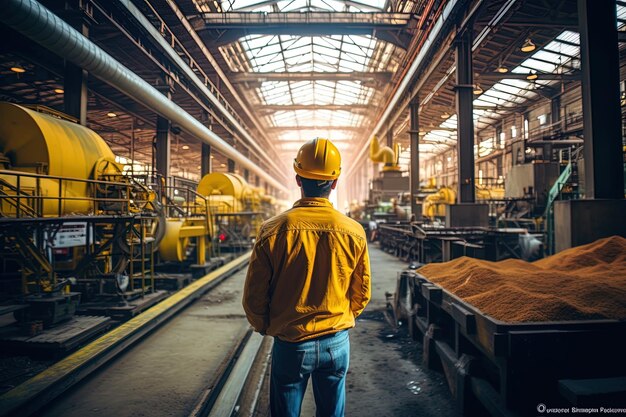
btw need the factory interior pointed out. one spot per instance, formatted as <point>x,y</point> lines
<point>143,143</point>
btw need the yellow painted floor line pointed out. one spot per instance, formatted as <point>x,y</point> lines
<point>99,347</point>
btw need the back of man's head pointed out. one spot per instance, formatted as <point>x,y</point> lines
<point>316,188</point>
<point>318,165</point>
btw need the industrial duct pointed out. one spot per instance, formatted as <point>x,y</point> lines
<point>39,24</point>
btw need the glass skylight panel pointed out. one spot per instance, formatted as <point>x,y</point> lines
<point>497,94</point>
<point>480,102</point>
<point>489,99</point>
<point>569,36</point>
<point>332,42</point>
<point>349,66</point>
<point>548,56</point>
<point>539,65</point>
<point>290,6</point>
<point>239,4</point>
<point>330,5</point>
<point>507,88</point>
<point>565,49</point>
<point>322,118</point>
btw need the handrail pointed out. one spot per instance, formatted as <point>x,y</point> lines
<point>91,184</point>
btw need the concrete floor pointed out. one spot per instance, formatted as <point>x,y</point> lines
<point>166,372</point>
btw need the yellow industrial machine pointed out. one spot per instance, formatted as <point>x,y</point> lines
<point>237,208</point>
<point>189,228</point>
<point>434,205</point>
<point>489,193</point>
<point>392,184</point>
<point>67,214</point>
<point>223,213</point>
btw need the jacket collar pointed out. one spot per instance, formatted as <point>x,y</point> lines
<point>313,202</point>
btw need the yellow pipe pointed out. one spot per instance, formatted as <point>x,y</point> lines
<point>378,154</point>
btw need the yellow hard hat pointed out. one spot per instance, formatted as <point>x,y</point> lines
<point>318,159</point>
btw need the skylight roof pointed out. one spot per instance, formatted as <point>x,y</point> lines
<point>560,55</point>
<point>313,56</point>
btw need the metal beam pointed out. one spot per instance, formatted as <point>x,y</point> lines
<point>353,108</point>
<point>465,122</point>
<point>162,147</point>
<point>296,22</point>
<point>540,76</point>
<point>75,78</point>
<point>341,128</point>
<point>310,76</point>
<point>206,166</point>
<point>604,169</point>
<point>542,23</point>
<point>414,173</point>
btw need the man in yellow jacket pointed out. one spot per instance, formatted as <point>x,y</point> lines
<point>308,280</point>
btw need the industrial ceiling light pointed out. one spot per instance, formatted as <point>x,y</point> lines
<point>59,90</point>
<point>532,75</point>
<point>477,89</point>
<point>185,147</point>
<point>18,70</point>
<point>445,115</point>
<point>528,46</point>
<point>111,114</point>
<point>501,68</point>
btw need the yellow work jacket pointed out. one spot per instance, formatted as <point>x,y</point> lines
<point>309,273</point>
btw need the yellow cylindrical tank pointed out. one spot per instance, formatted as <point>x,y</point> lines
<point>227,192</point>
<point>218,183</point>
<point>40,143</point>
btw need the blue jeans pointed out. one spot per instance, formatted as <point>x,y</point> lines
<point>325,359</point>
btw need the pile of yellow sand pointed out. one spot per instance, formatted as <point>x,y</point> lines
<point>583,283</point>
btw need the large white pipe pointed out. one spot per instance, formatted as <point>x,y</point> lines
<point>218,70</point>
<point>173,55</point>
<point>39,24</point>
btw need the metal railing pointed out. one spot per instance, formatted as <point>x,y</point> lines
<point>29,199</point>
<point>395,20</point>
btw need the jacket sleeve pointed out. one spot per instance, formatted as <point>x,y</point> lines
<point>256,289</point>
<point>360,286</point>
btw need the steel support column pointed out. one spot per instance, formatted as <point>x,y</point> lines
<point>390,137</point>
<point>231,166</point>
<point>465,122</point>
<point>163,147</point>
<point>414,178</point>
<point>75,78</point>
<point>555,109</point>
<point>390,142</point>
<point>604,170</point>
<point>206,165</point>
